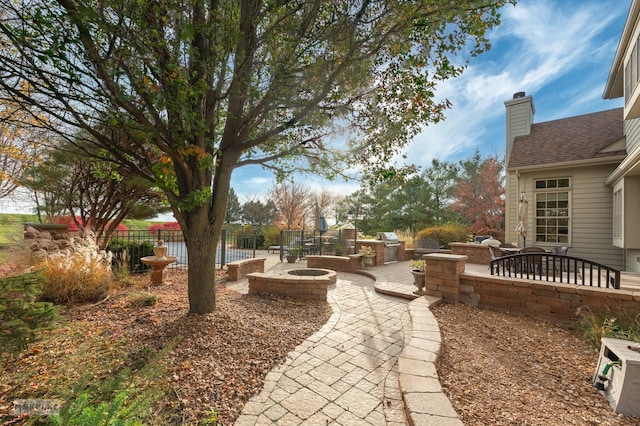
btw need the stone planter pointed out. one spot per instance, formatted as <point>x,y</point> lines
<point>418,281</point>
<point>368,260</point>
<point>291,258</point>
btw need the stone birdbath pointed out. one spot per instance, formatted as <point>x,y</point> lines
<point>158,262</point>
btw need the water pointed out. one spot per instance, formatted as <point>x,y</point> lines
<point>179,249</point>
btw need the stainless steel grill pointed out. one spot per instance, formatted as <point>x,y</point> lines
<point>391,245</point>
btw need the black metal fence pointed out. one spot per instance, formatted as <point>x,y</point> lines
<point>303,243</point>
<point>556,268</point>
<point>233,245</point>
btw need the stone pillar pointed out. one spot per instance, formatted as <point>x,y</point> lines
<point>348,236</point>
<point>442,277</point>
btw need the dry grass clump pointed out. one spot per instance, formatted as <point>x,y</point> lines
<point>81,273</point>
<point>142,298</point>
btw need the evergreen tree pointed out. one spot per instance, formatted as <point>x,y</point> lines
<point>234,209</point>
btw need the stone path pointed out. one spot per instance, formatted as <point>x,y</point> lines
<point>347,372</point>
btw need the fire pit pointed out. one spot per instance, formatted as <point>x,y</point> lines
<point>308,284</point>
<point>311,272</point>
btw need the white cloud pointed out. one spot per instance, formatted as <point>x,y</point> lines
<point>538,43</point>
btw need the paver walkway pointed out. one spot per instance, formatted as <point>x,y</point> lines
<point>347,372</point>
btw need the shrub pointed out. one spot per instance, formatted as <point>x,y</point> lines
<point>595,325</point>
<point>129,253</point>
<point>271,236</point>
<point>166,226</point>
<point>445,234</point>
<point>81,273</point>
<point>127,399</point>
<point>21,316</point>
<point>75,278</point>
<point>245,241</point>
<point>68,220</point>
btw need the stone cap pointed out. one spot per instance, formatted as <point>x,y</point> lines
<point>445,256</point>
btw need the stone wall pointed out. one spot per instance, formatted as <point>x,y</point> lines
<point>297,287</point>
<point>240,268</point>
<point>557,302</point>
<point>477,253</point>
<point>349,263</point>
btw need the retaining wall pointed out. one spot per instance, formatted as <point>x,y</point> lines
<point>350,263</point>
<point>240,268</point>
<point>476,253</point>
<point>286,285</point>
<point>556,302</point>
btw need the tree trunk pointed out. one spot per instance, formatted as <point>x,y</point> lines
<point>201,241</point>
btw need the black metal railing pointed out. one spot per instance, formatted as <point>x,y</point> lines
<point>233,246</point>
<point>556,268</point>
<point>305,243</point>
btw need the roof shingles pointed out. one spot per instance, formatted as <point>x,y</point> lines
<point>570,139</point>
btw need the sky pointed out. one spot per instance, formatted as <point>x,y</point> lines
<point>558,51</point>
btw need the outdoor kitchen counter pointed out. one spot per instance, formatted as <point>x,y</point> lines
<point>379,247</point>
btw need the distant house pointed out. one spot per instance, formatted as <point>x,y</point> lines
<point>561,168</point>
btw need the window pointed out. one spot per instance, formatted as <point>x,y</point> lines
<point>618,214</point>
<point>552,210</point>
<point>634,66</point>
<point>632,72</point>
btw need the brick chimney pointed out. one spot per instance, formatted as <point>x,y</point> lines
<point>520,111</point>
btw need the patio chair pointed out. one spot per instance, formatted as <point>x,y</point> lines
<point>562,250</point>
<point>530,262</point>
<point>495,253</point>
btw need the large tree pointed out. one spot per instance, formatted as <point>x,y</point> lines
<point>321,202</point>
<point>440,180</point>
<point>97,194</point>
<point>479,193</point>
<point>200,88</point>
<point>259,214</point>
<point>293,201</point>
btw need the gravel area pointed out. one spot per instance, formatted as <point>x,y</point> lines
<point>500,369</point>
<point>218,363</point>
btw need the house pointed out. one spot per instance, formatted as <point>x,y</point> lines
<point>561,168</point>
<point>581,174</point>
<point>624,180</point>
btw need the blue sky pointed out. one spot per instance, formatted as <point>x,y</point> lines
<point>558,51</point>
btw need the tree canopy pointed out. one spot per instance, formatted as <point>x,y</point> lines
<point>19,145</point>
<point>234,209</point>
<point>97,194</point>
<point>184,92</point>
<point>479,193</point>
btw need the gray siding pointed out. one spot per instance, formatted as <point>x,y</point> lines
<point>591,213</point>
<point>632,133</point>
